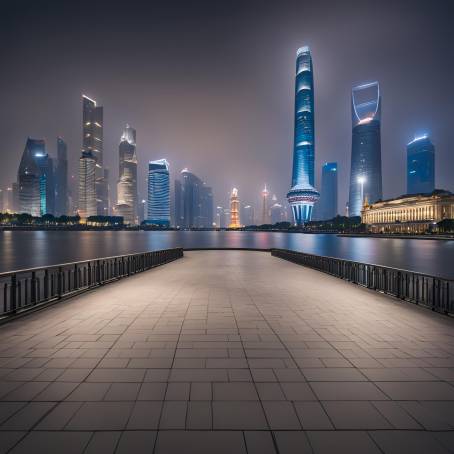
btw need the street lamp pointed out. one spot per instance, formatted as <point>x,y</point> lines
<point>361,181</point>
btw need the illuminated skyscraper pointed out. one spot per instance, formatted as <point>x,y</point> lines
<point>92,142</point>
<point>302,195</point>
<point>327,206</point>
<point>365,173</point>
<point>87,185</point>
<point>234,210</point>
<point>420,166</point>
<point>265,215</point>
<point>28,179</point>
<point>158,212</point>
<point>127,182</point>
<point>61,179</point>
<point>35,149</point>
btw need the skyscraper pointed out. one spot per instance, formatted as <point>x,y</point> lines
<point>61,179</point>
<point>220,217</point>
<point>276,213</point>
<point>327,206</point>
<point>206,206</point>
<point>92,141</point>
<point>37,149</point>
<point>127,177</point>
<point>247,214</point>
<point>193,202</point>
<point>302,195</point>
<point>28,181</point>
<point>365,173</point>
<point>87,185</point>
<point>264,219</point>
<point>179,204</point>
<point>158,193</point>
<point>234,210</point>
<point>420,166</point>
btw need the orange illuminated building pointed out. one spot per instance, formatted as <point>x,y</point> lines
<point>234,210</point>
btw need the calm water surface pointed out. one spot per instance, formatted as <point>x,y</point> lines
<point>20,250</point>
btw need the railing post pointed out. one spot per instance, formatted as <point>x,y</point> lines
<point>13,294</point>
<point>33,288</point>
<point>59,282</point>
<point>98,272</point>
<point>46,284</point>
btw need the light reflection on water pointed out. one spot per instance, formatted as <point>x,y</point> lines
<point>29,249</point>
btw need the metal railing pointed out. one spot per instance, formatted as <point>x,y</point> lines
<point>433,292</point>
<point>26,289</point>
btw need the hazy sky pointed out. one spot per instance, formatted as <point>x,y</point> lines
<point>209,85</point>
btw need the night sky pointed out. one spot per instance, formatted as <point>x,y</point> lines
<point>210,85</point>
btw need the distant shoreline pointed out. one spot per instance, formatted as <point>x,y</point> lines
<point>398,236</point>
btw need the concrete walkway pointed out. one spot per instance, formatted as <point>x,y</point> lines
<point>228,352</point>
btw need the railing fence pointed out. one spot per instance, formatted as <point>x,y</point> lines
<point>430,291</point>
<point>25,289</point>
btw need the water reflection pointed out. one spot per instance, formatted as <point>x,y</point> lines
<point>28,249</point>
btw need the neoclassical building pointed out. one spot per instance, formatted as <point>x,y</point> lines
<point>416,213</point>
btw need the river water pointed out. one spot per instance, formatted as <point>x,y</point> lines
<point>27,249</point>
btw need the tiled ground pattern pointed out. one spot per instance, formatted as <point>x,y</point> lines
<point>228,352</point>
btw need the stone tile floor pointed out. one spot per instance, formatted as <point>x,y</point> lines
<point>228,352</point>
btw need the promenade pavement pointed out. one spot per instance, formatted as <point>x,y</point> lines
<point>228,352</point>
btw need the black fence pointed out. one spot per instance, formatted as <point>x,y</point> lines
<point>26,289</point>
<point>430,291</point>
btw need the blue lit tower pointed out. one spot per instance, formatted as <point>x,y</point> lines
<point>158,212</point>
<point>420,166</point>
<point>303,195</point>
<point>365,172</point>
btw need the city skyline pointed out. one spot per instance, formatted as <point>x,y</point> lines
<point>210,145</point>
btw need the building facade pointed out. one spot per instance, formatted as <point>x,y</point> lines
<point>276,213</point>
<point>35,149</point>
<point>28,182</point>
<point>327,206</point>
<point>61,179</point>
<point>193,202</point>
<point>234,210</point>
<point>87,185</point>
<point>92,142</point>
<point>158,210</point>
<point>408,214</point>
<point>302,195</point>
<point>365,171</point>
<point>247,214</point>
<point>127,204</point>
<point>420,166</point>
<point>265,218</point>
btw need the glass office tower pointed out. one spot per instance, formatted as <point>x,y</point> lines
<point>193,202</point>
<point>28,180</point>
<point>420,166</point>
<point>92,142</point>
<point>61,178</point>
<point>302,195</point>
<point>365,172</point>
<point>87,185</point>
<point>158,212</point>
<point>327,206</point>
